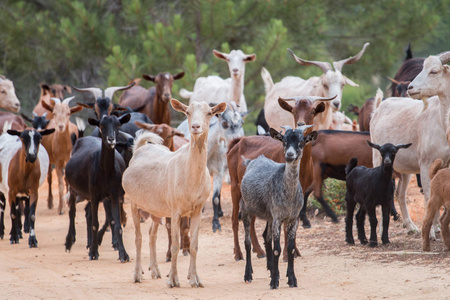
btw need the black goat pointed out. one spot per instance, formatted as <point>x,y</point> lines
<point>38,122</point>
<point>369,188</point>
<point>262,128</point>
<point>94,172</point>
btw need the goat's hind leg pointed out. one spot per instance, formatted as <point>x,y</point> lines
<point>373,226</point>
<point>349,219</point>
<point>256,246</point>
<point>153,268</point>
<point>138,241</point>
<point>173,280</point>
<point>217,184</point>
<point>291,231</point>
<point>248,277</point>
<point>267,235</point>
<point>445,221</point>
<point>360,219</point>
<point>2,215</point>
<point>432,208</point>
<point>70,238</point>
<point>194,279</point>
<point>116,228</point>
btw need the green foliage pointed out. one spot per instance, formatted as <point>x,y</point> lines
<point>109,42</point>
<point>334,194</point>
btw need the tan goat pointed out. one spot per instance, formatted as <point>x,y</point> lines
<point>171,184</point>
<point>439,196</point>
<point>59,144</point>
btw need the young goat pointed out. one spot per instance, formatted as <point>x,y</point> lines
<point>369,188</point>
<point>272,191</point>
<point>440,191</point>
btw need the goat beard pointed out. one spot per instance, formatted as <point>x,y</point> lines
<point>425,103</point>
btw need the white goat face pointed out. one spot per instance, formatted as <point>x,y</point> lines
<point>333,83</point>
<point>236,61</point>
<point>8,98</point>
<point>61,115</point>
<point>430,81</point>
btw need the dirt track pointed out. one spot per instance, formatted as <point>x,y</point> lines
<point>328,268</point>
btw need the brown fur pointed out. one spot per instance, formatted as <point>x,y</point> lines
<point>48,92</point>
<point>17,123</point>
<point>440,191</point>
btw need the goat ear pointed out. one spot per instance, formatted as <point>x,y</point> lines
<point>26,118</point>
<point>373,145</point>
<point>220,55</point>
<point>47,131</point>
<point>219,108</point>
<point>245,113</point>
<point>349,81</point>
<point>178,76</point>
<point>93,122</point>
<point>250,57</point>
<point>312,136</point>
<point>124,119</point>
<point>68,89</point>
<point>319,108</point>
<point>176,132</point>
<point>178,106</point>
<point>47,106</point>
<point>149,77</point>
<point>75,109</point>
<point>86,105</point>
<point>404,146</point>
<point>284,105</point>
<point>14,132</point>
<point>117,107</point>
<point>44,88</point>
<point>143,125</point>
<point>275,134</point>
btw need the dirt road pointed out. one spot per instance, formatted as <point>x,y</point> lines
<point>328,268</point>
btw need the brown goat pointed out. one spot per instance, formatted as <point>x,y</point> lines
<point>168,135</point>
<point>48,92</point>
<point>253,146</point>
<point>156,99</point>
<point>439,196</point>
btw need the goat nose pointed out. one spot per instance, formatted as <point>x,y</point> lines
<point>195,126</point>
<point>235,70</point>
<point>301,124</point>
<point>410,87</point>
<point>110,139</point>
<point>167,95</point>
<point>61,127</point>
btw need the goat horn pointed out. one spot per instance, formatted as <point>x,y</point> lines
<point>109,92</point>
<point>304,127</point>
<point>57,100</point>
<point>325,66</point>
<point>286,128</point>
<point>351,60</point>
<point>98,93</point>
<point>35,114</point>
<point>444,57</point>
<point>394,81</point>
<point>44,115</point>
<point>67,100</point>
<point>317,98</point>
<point>126,135</point>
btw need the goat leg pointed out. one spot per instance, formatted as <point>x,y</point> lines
<point>386,213</point>
<point>185,240</point>
<point>116,228</point>
<point>88,216</point>
<point>93,249</point>
<point>256,246</point>
<point>49,181</point>
<point>360,220</point>
<point>349,219</point>
<point>15,215</point>
<point>373,227</point>
<point>32,241</point>
<point>169,237</point>
<point>267,235</point>
<point>445,221</point>
<point>70,238</point>
<point>302,215</point>
<point>275,276</point>
<point>26,212</point>
<point>291,230</point>
<point>2,215</point>
<point>248,277</point>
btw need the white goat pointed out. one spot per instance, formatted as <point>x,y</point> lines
<point>172,184</point>
<point>329,84</point>
<point>424,124</point>
<point>8,98</point>
<point>341,121</point>
<point>212,89</point>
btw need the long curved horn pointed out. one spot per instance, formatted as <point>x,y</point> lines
<point>394,81</point>
<point>67,100</point>
<point>351,60</point>
<point>325,66</point>
<point>109,92</point>
<point>98,93</point>
<point>317,98</point>
<point>57,100</point>
<point>444,57</point>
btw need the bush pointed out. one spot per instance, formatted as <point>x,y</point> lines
<point>334,193</point>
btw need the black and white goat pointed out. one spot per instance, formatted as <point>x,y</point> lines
<point>370,187</point>
<point>271,191</point>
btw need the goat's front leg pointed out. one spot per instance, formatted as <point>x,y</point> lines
<point>291,232</point>
<point>153,268</point>
<point>267,235</point>
<point>26,213</point>
<point>49,181</point>
<point>93,251</point>
<point>15,215</point>
<point>349,219</point>
<point>248,277</point>
<point>173,280</point>
<point>217,187</point>
<point>373,226</point>
<point>60,174</point>
<point>360,220</point>
<point>70,238</point>
<point>88,216</point>
<point>32,241</point>
<point>2,215</point>
<point>108,219</point>
<point>116,228</point>
<point>276,228</point>
<point>386,209</point>
<point>194,279</point>
<point>445,221</point>
<point>169,238</point>
<point>185,240</point>
<point>138,241</point>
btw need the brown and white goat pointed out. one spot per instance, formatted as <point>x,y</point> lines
<point>176,184</point>
<point>48,92</point>
<point>439,196</point>
<point>59,145</point>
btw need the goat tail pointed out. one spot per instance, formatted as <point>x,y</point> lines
<point>233,143</point>
<point>186,94</point>
<point>81,125</point>
<point>146,137</point>
<point>267,78</point>
<point>351,165</point>
<point>136,81</point>
<point>435,167</point>
<point>245,161</point>
<point>378,98</point>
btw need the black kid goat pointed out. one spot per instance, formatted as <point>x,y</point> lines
<point>369,188</point>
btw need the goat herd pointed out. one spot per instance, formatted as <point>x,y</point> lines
<point>165,172</point>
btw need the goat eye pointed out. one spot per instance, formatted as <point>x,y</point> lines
<point>225,125</point>
<point>3,92</point>
<point>325,86</point>
<point>433,72</point>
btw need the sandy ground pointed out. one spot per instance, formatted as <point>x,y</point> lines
<point>328,268</point>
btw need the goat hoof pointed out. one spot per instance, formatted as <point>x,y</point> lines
<point>185,252</point>
<point>220,213</point>
<point>93,255</point>
<point>261,255</point>
<point>50,204</point>
<point>1,236</point>
<point>386,242</point>
<point>216,225</point>
<point>306,224</point>
<point>350,241</point>
<point>274,283</point>
<point>364,241</point>
<point>373,244</point>
<point>32,242</point>
<point>195,281</point>
<point>173,282</point>
<point>124,257</point>
<point>396,217</point>
<point>292,281</point>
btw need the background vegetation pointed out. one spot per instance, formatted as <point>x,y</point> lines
<point>109,42</point>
